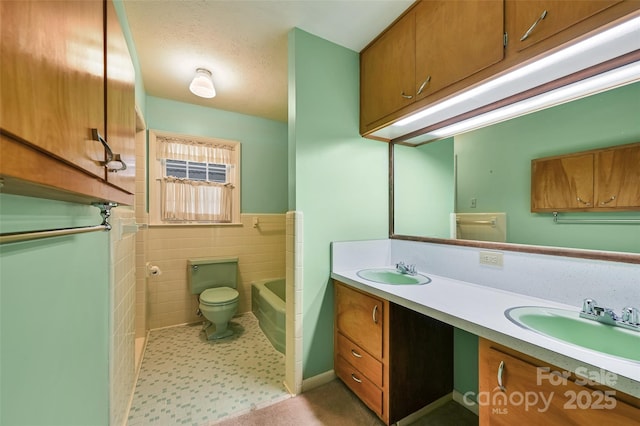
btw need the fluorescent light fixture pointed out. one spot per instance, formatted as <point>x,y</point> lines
<point>604,46</point>
<point>202,84</point>
<point>617,77</point>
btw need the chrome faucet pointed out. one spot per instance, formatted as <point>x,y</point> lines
<point>630,317</point>
<point>406,269</point>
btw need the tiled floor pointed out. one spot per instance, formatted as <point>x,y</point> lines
<point>185,379</point>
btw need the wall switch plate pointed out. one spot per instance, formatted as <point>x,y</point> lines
<point>492,258</point>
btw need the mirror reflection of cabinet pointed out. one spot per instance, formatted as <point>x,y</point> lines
<point>598,180</point>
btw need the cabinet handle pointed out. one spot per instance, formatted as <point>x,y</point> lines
<point>406,96</point>
<point>355,378</point>
<point>586,203</point>
<point>603,203</point>
<point>356,354</point>
<point>535,24</point>
<point>375,314</point>
<point>500,371</point>
<point>424,83</point>
<point>110,155</point>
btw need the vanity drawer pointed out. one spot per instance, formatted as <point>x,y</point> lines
<point>358,358</point>
<point>364,388</point>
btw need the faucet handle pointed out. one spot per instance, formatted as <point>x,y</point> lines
<point>589,306</point>
<point>631,315</point>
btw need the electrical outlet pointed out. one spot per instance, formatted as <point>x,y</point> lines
<point>474,203</point>
<point>492,258</point>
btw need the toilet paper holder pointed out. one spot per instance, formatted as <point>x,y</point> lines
<point>153,270</point>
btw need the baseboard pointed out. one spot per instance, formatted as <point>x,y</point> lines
<point>319,380</point>
<point>466,402</point>
<point>413,417</point>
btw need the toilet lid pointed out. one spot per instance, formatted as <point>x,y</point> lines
<point>218,295</point>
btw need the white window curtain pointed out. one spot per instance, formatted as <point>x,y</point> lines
<point>193,200</point>
<point>188,150</point>
<point>187,200</point>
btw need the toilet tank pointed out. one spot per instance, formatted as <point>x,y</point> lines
<point>204,273</point>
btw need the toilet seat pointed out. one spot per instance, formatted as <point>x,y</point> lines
<point>218,296</point>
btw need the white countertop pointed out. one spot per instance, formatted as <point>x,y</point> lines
<point>480,310</point>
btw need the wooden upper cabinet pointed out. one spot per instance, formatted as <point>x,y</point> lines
<point>454,39</point>
<point>65,73</point>
<point>53,78</point>
<point>617,182</point>
<point>120,103</point>
<point>562,183</point>
<point>387,71</point>
<point>597,180</point>
<point>436,43</point>
<point>534,21</point>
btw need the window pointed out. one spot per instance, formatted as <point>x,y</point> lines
<point>193,179</point>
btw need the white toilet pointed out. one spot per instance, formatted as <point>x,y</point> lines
<point>215,280</point>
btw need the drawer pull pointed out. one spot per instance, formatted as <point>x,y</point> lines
<point>535,24</point>
<point>580,200</point>
<point>356,379</point>
<point>500,372</point>
<point>424,83</point>
<point>406,96</point>
<point>356,354</point>
<point>603,203</point>
<point>375,314</point>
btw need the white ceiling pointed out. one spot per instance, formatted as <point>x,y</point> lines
<point>243,43</point>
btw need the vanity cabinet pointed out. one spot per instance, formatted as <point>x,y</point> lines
<point>597,180</point>
<point>433,45</point>
<point>394,359</point>
<point>57,87</point>
<point>534,392</point>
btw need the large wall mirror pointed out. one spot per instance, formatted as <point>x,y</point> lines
<point>489,170</point>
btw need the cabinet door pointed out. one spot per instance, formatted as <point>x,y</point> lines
<point>360,317</point>
<point>455,39</point>
<point>535,394</point>
<point>618,178</point>
<point>52,78</point>
<point>120,102</point>
<point>564,183</point>
<point>387,72</point>
<point>525,17</point>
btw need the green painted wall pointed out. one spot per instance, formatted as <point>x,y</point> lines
<point>423,189</point>
<point>124,23</point>
<point>264,147</point>
<point>494,166</point>
<point>340,179</point>
<point>54,317</point>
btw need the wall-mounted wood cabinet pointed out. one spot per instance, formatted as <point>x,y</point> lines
<point>439,48</point>
<point>518,389</point>
<point>597,180</point>
<point>53,95</point>
<point>533,21</point>
<point>394,359</point>
<point>433,45</point>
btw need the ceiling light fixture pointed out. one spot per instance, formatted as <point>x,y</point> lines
<point>202,84</point>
